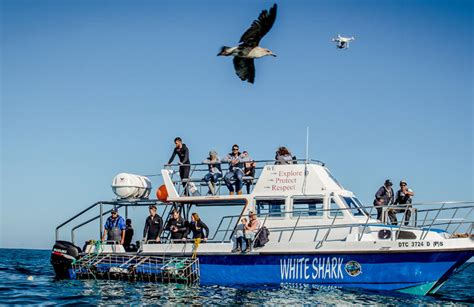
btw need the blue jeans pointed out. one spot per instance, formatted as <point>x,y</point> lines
<point>212,177</point>
<point>236,175</point>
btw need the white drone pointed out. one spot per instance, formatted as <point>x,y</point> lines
<point>342,42</point>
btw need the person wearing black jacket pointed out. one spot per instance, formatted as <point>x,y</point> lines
<point>385,197</point>
<point>198,227</point>
<point>177,226</point>
<point>127,241</point>
<point>153,226</point>
<point>182,151</point>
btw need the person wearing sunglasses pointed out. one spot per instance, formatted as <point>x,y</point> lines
<point>236,162</point>
<point>404,197</point>
<point>114,228</point>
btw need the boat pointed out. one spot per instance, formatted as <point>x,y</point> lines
<point>320,234</point>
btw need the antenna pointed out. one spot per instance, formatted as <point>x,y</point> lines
<point>307,144</point>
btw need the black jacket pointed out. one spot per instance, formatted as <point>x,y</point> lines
<point>153,227</point>
<point>262,237</point>
<point>181,224</point>
<point>383,194</point>
<point>182,153</point>
<point>128,236</point>
<point>199,229</point>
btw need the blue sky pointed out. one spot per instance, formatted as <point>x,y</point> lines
<point>93,88</point>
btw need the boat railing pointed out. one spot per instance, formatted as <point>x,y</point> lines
<point>105,207</point>
<point>453,217</point>
<point>459,218</point>
<point>199,170</point>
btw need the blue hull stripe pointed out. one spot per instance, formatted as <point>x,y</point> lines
<point>370,271</point>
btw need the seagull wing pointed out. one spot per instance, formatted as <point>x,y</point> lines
<point>245,69</point>
<point>259,27</point>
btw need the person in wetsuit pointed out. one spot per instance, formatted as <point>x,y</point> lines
<point>128,235</point>
<point>198,227</point>
<point>114,228</point>
<point>153,226</point>
<point>182,151</point>
<point>177,226</point>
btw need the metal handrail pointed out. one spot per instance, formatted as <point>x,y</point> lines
<point>256,161</point>
<point>365,224</point>
<point>116,203</point>
<point>195,169</point>
<point>426,227</point>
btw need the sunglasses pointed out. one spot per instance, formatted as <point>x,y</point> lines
<point>114,213</point>
<point>235,149</point>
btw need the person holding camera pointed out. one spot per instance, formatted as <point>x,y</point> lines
<point>177,226</point>
<point>404,197</point>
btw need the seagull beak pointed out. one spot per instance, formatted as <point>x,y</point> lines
<point>274,55</point>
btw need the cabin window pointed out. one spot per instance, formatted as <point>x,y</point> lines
<point>353,206</point>
<point>272,207</point>
<point>308,207</point>
<point>334,209</point>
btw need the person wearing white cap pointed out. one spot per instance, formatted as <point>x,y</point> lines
<point>404,197</point>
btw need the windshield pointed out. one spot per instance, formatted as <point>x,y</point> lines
<point>354,205</point>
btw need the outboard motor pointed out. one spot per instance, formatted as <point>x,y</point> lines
<point>62,256</point>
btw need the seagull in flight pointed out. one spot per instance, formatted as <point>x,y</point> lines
<point>248,49</point>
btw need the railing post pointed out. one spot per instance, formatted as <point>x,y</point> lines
<point>327,233</point>
<point>227,229</point>
<point>459,224</point>
<point>429,228</point>
<point>101,224</point>
<point>296,224</point>
<point>451,219</point>
<point>366,222</point>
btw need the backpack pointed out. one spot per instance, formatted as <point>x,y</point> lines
<point>262,237</point>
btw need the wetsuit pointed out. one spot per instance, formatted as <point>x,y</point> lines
<point>153,227</point>
<point>183,154</point>
<point>199,229</point>
<point>128,236</point>
<point>180,223</point>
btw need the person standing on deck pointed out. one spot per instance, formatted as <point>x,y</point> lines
<point>177,226</point>
<point>128,234</point>
<point>404,197</point>
<point>384,197</point>
<point>183,153</point>
<point>236,170</point>
<point>153,226</point>
<point>114,228</point>
<point>198,227</point>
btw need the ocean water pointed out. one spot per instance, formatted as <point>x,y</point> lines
<point>26,277</point>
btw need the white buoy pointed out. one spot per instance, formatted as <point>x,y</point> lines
<point>30,278</point>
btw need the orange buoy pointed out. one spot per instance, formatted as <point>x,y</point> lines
<point>162,193</point>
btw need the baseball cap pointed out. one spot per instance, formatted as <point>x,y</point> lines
<point>388,182</point>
